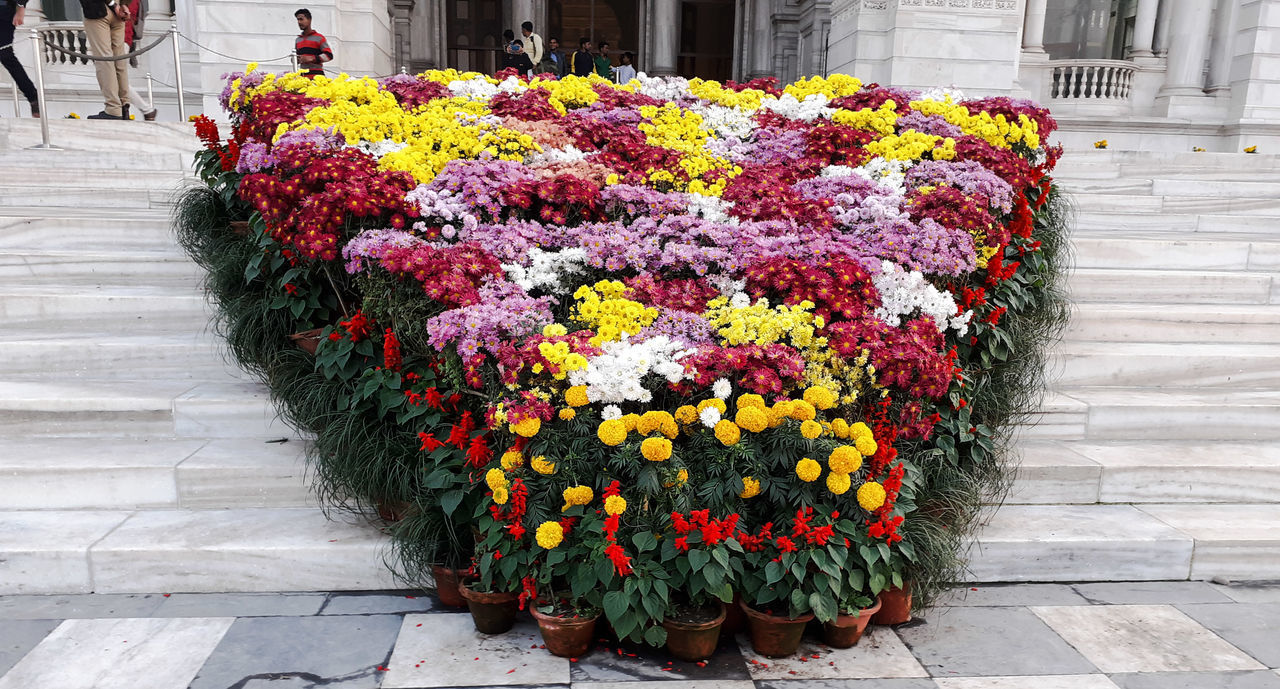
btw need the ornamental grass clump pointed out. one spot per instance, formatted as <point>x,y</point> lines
<point>631,349</point>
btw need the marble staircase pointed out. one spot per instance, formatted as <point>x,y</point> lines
<point>133,458</point>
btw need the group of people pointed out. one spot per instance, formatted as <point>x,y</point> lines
<point>112,29</point>
<point>530,56</point>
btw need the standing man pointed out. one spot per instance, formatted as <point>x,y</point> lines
<point>604,66</point>
<point>582,63</point>
<point>12,14</point>
<point>311,46</point>
<point>553,61</point>
<point>532,43</point>
<point>104,22</point>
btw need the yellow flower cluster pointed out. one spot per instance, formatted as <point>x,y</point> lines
<point>528,427</point>
<point>670,126</point>
<point>808,470</point>
<point>511,460</point>
<point>880,120</point>
<point>747,100</point>
<point>656,449</point>
<point>871,495</point>
<point>838,483</point>
<point>750,487</point>
<point>576,495</point>
<point>912,145</point>
<point>602,308</point>
<point>810,429</point>
<point>659,421</point>
<point>570,92</point>
<point>820,397</point>
<point>549,534</point>
<point>612,432</point>
<point>834,86</point>
<point>751,419</point>
<point>845,459</point>
<point>567,414</point>
<point>727,432</point>
<point>845,377</point>
<point>615,504</point>
<point>496,479</point>
<point>542,466</point>
<point>576,396</point>
<point>761,325</point>
<point>559,355</point>
<point>687,414</point>
<point>997,131</point>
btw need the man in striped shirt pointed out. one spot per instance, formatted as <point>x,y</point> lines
<point>311,46</point>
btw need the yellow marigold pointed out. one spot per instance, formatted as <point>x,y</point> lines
<point>840,428</point>
<point>652,421</point>
<point>838,483</point>
<point>612,432</point>
<point>615,504</point>
<point>501,496</point>
<point>550,534</point>
<point>630,421</point>
<point>751,400</point>
<point>866,445</point>
<point>750,487</point>
<point>567,414</point>
<point>512,459</point>
<point>528,426</point>
<point>542,466</point>
<point>656,449</point>
<point>682,477</point>
<point>820,397</point>
<point>687,414</point>
<point>859,429</point>
<point>714,402</point>
<point>845,459</point>
<point>669,427</point>
<point>810,429</point>
<point>576,495</point>
<point>495,479</point>
<point>576,396</point>
<point>727,432</point>
<point>777,416</point>
<point>802,410</point>
<point>752,419</point>
<point>808,470</point>
<point>871,495</point>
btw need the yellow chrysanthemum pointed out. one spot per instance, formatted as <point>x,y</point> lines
<point>840,428</point>
<point>550,534</point>
<point>630,421</point>
<point>612,432</point>
<point>713,402</point>
<point>576,396</point>
<point>727,432</point>
<point>687,414</point>
<point>751,400</point>
<point>752,419</point>
<point>528,426</point>
<point>820,397</point>
<point>866,445</point>
<point>576,495</point>
<point>838,483</point>
<point>750,487</point>
<point>554,330</point>
<point>808,470</point>
<point>656,449</point>
<point>845,459</point>
<point>615,504</point>
<point>802,411</point>
<point>495,479</point>
<point>542,466</point>
<point>810,429</point>
<point>871,496</point>
<point>512,459</point>
<point>567,414</point>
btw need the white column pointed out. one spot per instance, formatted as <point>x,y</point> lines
<point>521,12</point>
<point>1163,19</point>
<point>666,14</point>
<point>1188,46</point>
<point>1224,43</point>
<point>762,30</point>
<point>1033,26</point>
<point>1144,29</point>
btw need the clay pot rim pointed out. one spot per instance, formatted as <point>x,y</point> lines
<point>752,612</point>
<point>481,597</point>
<point>863,613</point>
<point>575,620</point>
<point>697,626</point>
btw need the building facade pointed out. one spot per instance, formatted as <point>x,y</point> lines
<point>1155,74</point>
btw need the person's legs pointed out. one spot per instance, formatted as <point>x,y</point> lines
<point>98,33</point>
<point>121,67</point>
<point>9,58</point>
<point>140,102</point>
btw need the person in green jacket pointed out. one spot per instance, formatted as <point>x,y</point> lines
<point>604,66</point>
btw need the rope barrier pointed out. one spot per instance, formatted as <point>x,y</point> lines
<point>113,58</point>
<point>285,58</point>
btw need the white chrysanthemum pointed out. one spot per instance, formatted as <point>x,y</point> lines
<point>709,417</point>
<point>547,269</point>
<point>836,171</point>
<point>712,208</point>
<point>814,106</point>
<point>439,203</point>
<point>890,174</point>
<point>617,375</point>
<point>611,412</point>
<point>722,389</point>
<point>725,121</point>
<point>512,84</point>
<point>726,285</point>
<point>377,149</point>
<point>475,88</point>
<point>905,293</point>
<point>553,156</point>
<point>663,88</point>
<point>942,94</point>
<point>740,300</point>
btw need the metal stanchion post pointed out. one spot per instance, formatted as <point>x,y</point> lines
<point>177,71</point>
<point>293,62</point>
<point>44,110</point>
<point>17,112</point>
<point>151,96</point>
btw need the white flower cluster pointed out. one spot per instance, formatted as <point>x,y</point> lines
<point>724,121</point>
<point>890,174</point>
<point>617,375</point>
<point>377,149</point>
<point>811,108</point>
<point>722,388</point>
<point>512,84</point>
<point>663,88</point>
<point>547,269</point>
<point>437,203</point>
<point>552,156</point>
<point>709,417</point>
<point>475,88</point>
<point>726,285</point>
<point>943,94</point>
<point>712,208</point>
<point>611,412</point>
<point>902,293</point>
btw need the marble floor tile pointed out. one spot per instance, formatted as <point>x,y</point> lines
<point>998,595</point>
<point>17,637</point>
<point>1143,638</point>
<point>127,653</point>
<point>445,650</point>
<point>379,602</point>
<point>1148,593</point>
<point>880,654</point>
<point>337,652</point>
<point>240,604</point>
<point>1254,629</point>
<point>1028,682</point>
<point>845,684</point>
<point>77,606</point>
<point>609,663</point>
<point>1199,680</point>
<point>1251,593</point>
<point>990,642</point>
<point>670,684</point>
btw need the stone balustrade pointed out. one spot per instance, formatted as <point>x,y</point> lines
<point>1091,79</point>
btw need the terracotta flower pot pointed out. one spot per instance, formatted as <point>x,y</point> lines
<point>447,586</point>
<point>845,630</point>
<point>734,619</point>
<point>307,340</point>
<point>895,606</point>
<point>567,637</point>
<point>693,641</point>
<point>240,227</point>
<point>492,613</point>
<point>774,636</point>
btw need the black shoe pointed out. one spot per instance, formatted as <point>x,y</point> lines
<point>35,109</point>
<point>124,112</point>
<point>103,116</point>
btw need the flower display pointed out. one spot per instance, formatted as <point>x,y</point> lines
<point>638,325</point>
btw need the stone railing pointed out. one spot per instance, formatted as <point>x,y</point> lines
<point>68,35</point>
<point>1101,80</point>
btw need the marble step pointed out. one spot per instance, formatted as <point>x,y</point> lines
<point>1129,202</point>
<point>1092,219</point>
<point>138,266</point>
<point>162,180</point>
<point>123,161</point>
<point>1136,414</point>
<point>1181,188</point>
<point>191,356</point>
<point>49,302</point>
<point>1234,542</point>
<point>1051,472</point>
<point>79,137</point>
<point>12,194</point>
<point>1172,286</point>
<point>1168,323</point>
<point>1163,364</point>
<point>1102,164</point>
<point>151,473</point>
<point>141,233</point>
<point>232,550</point>
<point>1152,251</point>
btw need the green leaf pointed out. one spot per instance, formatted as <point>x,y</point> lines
<point>645,541</point>
<point>698,559</point>
<point>773,572</point>
<point>877,584</point>
<point>450,501</point>
<point>823,607</point>
<point>655,635</point>
<point>799,602</point>
<point>615,607</point>
<point>722,556</point>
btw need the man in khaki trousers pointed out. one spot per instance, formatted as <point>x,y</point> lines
<point>104,22</point>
